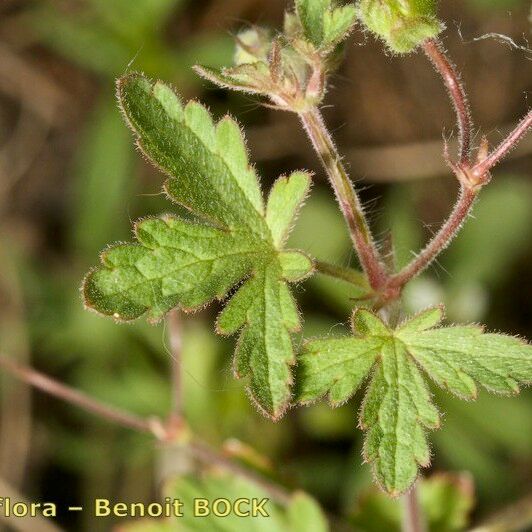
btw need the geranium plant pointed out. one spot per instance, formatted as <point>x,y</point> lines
<point>228,242</point>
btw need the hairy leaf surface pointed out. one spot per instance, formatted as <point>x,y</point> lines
<point>397,408</point>
<point>324,24</point>
<point>234,238</point>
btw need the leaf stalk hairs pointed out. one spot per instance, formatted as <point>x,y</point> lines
<point>346,196</point>
<point>235,241</point>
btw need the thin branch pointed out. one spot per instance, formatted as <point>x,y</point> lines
<point>471,176</point>
<point>345,194</point>
<point>440,240</point>
<point>70,395</point>
<point>412,514</point>
<point>435,52</point>
<point>505,147</point>
<point>207,454</point>
<point>199,449</point>
<point>468,193</point>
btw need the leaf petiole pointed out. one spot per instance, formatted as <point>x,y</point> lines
<point>346,195</point>
<point>345,274</point>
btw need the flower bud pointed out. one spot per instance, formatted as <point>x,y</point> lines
<point>402,24</point>
<point>252,45</point>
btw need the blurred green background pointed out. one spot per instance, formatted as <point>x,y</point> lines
<point>71,182</point>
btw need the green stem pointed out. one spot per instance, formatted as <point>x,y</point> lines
<point>347,197</point>
<point>339,272</point>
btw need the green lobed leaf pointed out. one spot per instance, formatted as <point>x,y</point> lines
<point>310,14</point>
<point>323,24</point>
<point>337,24</point>
<point>397,408</point>
<point>235,238</point>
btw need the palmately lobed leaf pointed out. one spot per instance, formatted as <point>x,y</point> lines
<point>397,408</point>
<point>457,357</point>
<point>235,239</point>
<point>336,367</point>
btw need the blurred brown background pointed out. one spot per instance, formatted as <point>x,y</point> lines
<point>70,182</point>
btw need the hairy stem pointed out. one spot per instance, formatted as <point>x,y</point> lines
<point>412,515</point>
<point>505,147</point>
<point>435,52</point>
<point>440,240</point>
<point>451,78</point>
<point>70,395</point>
<point>472,177</point>
<point>338,272</point>
<point>345,194</point>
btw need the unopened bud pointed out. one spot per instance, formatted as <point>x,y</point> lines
<point>252,45</point>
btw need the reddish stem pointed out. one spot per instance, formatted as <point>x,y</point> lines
<point>435,52</point>
<point>70,395</point>
<point>199,449</point>
<point>505,147</point>
<point>347,198</point>
<point>412,514</point>
<point>440,241</point>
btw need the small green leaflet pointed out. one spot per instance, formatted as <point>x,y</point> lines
<point>323,24</point>
<point>233,239</point>
<point>398,409</point>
